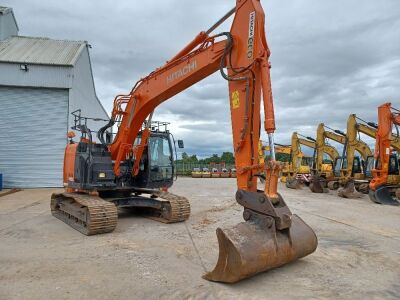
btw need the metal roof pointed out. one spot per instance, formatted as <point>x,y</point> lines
<point>37,50</point>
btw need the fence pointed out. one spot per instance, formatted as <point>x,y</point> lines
<point>185,169</point>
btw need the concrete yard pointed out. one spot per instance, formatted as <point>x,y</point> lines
<point>358,256</point>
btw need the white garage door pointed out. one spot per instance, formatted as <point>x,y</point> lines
<point>33,127</point>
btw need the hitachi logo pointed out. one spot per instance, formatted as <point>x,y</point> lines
<point>182,72</point>
<point>250,41</point>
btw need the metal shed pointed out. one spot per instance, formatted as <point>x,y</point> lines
<point>41,82</point>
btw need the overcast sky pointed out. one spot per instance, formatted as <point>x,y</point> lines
<point>329,58</point>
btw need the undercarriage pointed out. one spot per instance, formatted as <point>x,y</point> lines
<point>92,215</point>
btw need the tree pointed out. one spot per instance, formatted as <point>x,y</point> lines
<point>193,158</point>
<point>228,158</point>
<point>184,156</point>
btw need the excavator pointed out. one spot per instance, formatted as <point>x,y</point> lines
<point>303,163</point>
<point>385,185</point>
<point>354,179</point>
<point>298,168</point>
<point>320,169</point>
<point>279,148</point>
<point>357,125</point>
<point>99,177</point>
<point>348,166</point>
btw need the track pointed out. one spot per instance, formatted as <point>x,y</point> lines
<point>176,208</point>
<point>92,215</point>
<point>88,214</point>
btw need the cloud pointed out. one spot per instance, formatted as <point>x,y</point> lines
<point>329,59</point>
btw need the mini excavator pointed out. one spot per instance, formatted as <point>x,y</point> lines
<point>99,177</point>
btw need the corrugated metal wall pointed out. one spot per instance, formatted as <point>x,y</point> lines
<point>37,75</point>
<point>33,127</point>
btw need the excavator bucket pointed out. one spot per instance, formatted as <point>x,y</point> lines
<point>250,248</point>
<point>382,195</point>
<point>317,185</point>
<point>263,242</point>
<point>293,183</point>
<point>349,191</point>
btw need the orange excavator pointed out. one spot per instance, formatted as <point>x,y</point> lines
<point>385,183</point>
<point>124,173</point>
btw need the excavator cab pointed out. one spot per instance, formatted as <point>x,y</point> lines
<point>368,166</point>
<point>340,163</point>
<point>156,169</point>
<point>393,165</point>
<point>357,166</point>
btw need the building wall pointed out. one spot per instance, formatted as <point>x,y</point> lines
<point>8,27</point>
<point>83,93</point>
<point>78,79</point>
<point>36,76</point>
<point>33,135</point>
<point>35,109</point>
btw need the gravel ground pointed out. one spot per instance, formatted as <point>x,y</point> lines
<point>358,256</point>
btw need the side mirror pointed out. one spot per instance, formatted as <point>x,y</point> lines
<point>180,144</point>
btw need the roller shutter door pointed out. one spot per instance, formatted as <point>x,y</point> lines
<point>33,126</point>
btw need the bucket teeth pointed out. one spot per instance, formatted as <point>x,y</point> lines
<point>251,247</point>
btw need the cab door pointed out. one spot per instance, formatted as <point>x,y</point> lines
<point>161,161</point>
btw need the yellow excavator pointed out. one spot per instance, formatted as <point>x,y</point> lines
<point>299,165</point>
<point>300,169</point>
<point>298,172</point>
<point>347,167</point>
<point>264,150</point>
<point>359,180</point>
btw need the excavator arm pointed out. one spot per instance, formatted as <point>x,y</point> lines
<point>354,143</point>
<point>370,130</point>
